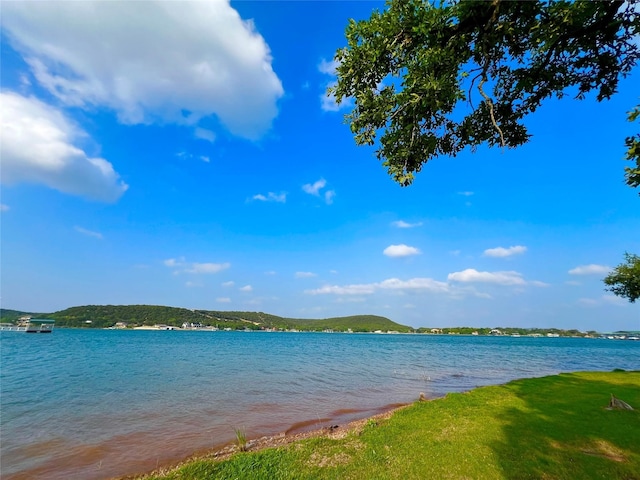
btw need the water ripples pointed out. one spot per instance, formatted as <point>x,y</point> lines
<point>93,404</point>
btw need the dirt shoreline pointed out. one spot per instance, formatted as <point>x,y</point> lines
<point>271,441</point>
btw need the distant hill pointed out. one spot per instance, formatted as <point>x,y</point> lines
<point>10,316</point>
<point>357,323</point>
<point>103,316</point>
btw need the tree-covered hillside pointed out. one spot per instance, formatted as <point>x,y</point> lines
<point>104,316</point>
<point>11,316</point>
<point>357,323</point>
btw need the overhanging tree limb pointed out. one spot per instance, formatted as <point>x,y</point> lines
<point>526,51</point>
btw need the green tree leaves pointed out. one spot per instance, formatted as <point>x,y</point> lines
<point>624,281</point>
<point>431,79</point>
<point>632,174</point>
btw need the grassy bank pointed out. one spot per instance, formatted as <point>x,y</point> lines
<point>555,427</point>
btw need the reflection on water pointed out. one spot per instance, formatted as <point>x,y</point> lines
<point>93,404</point>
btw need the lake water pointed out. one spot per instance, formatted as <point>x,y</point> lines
<point>94,404</point>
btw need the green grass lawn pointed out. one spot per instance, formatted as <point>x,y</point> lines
<point>555,427</point>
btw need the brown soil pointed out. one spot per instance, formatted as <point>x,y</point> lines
<point>273,441</point>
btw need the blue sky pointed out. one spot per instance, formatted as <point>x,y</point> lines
<point>186,154</point>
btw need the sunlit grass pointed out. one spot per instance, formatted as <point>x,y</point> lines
<point>554,427</point>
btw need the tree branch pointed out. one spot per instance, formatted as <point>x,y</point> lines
<point>491,114</point>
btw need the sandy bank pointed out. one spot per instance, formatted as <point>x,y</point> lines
<point>274,441</point>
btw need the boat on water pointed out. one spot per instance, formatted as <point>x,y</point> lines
<point>30,325</point>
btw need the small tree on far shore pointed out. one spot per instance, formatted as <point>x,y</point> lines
<point>624,280</point>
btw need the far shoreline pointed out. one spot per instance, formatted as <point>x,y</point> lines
<point>623,335</point>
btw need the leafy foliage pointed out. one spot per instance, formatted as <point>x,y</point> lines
<point>103,316</point>
<point>624,281</point>
<point>632,174</point>
<point>432,79</point>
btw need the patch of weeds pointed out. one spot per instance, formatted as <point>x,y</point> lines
<point>370,425</point>
<point>241,439</point>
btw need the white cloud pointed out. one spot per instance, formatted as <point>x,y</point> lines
<point>246,288</point>
<point>427,284</point>
<point>471,275</point>
<point>230,283</point>
<point>465,194</point>
<point>174,62</point>
<point>362,289</point>
<point>195,267</point>
<point>603,300</point>
<point>38,146</point>
<point>391,284</point>
<point>401,250</point>
<point>88,233</point>
<point>328,196</point>
<point>403,224</point>
<point>4,208</point>
<point>587,302</point>
<point>192,284</point>
<point>271,197</point>
<point>614,300</point>
<point>314,189</point>
<point>24,80</point>
<point>205,134</point>
<point>173,262</point>
<point>207,267</point>
<point>305,274</point>
<point>223,300</point>
<point>328,68</point>
<point>190,156</point>
<point>502,252</point>
<point>591,269</point>
<point>328,102</point>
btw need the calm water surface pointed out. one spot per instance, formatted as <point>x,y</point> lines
<point>94,404</point>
